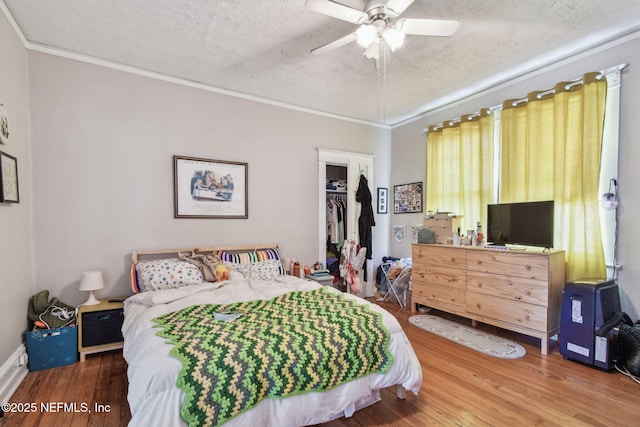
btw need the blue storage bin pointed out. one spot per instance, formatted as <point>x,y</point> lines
<point>50,348</point>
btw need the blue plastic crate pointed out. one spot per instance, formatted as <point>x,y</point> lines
<point>50,348</point>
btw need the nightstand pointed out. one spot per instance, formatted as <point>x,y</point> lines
<point>100,327</point>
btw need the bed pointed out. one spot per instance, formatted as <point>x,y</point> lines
<point>255,286</point>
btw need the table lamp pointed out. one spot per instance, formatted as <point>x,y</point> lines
<point>91,281</point>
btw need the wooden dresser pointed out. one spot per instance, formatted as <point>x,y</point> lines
<point>516,290</point>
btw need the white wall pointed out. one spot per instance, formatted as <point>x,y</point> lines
<point>103,142</point>
<point>407,141</point>
<point>16,253</point>
<point>408,164</point>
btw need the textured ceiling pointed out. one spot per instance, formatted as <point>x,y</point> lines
<point>262,47</point>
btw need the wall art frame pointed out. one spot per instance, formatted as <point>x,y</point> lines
<point>407,198</point>
<point>207,188</point>
<point>4,125</point>
<point>9,191</point>
<point>383,200</point>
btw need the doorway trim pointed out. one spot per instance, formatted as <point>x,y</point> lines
<point>356,163</point>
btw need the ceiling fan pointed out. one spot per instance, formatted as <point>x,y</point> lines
<point>378,23</point>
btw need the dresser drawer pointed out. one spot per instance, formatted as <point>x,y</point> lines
<point>424,293</point>
<point>518,313</point>
<point>438,255</point>
<point>102,327</point>
<point>443,276</point>
<point>509,264</point>
<point>510,288</point>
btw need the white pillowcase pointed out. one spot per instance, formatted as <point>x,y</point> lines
<point>261,270</point>
<point>167,274</point>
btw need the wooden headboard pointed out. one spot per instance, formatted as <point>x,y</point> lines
<point>149,254</point>
<point>136,255</point>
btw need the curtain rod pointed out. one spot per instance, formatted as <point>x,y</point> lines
<point>605,72</point>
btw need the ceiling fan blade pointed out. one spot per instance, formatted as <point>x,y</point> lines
<point>337,10</point>
<point>396,7</point>
<point>427,27</point>
<point>335,44</point>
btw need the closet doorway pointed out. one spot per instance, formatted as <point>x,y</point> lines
<point>336,205</point>
<point>353,165</point>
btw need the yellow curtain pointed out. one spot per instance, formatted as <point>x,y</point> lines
<point>460,168</point>
<point>551,147</point>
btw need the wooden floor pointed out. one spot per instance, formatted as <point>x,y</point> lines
<point>461,387</point>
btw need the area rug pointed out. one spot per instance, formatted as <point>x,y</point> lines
<point>469,337</point>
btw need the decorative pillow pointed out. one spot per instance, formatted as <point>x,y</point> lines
<point>252,257</point>
<point>167,273</point>
<point>261,270</point>
<point>133,279</point>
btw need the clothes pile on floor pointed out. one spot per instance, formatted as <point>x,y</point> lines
<point>45,313</point>
<point>396,267</point>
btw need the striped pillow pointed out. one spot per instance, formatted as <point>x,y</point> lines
<point>248,257</point>
<point>133,279</point>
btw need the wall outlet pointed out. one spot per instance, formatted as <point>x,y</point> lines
<point>22,358</point>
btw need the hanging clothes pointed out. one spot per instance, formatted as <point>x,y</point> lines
<point>341,213</point>
<point>336,214</point>
<point>366,219</point>
<point>352,259</point>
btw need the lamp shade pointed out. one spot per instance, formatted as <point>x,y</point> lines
<point>394,38</point>
<point>91,281</point>
<point>373,51</point>
<point>366,35</point>
<point>609,201</point>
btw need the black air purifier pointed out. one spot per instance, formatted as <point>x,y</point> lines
<point>587,304</point>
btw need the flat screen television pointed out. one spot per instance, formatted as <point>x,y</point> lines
<point>527,224</point>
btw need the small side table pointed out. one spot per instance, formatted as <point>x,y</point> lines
<point>100,327</point>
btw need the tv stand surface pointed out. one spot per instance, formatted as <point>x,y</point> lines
<point>516,290</point>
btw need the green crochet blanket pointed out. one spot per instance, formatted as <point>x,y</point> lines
<point>292,344</point>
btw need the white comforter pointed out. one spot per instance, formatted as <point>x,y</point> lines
<point>154,398</point>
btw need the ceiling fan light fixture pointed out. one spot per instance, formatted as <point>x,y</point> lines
<point>394,38</point>
<point>366,34</point>
<point>377,22</point>
<point>372,51</point>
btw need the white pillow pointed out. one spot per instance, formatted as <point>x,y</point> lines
<point>167,274</point>
<point>261,270</point>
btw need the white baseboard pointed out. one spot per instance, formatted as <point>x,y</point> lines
<point>12,372</point>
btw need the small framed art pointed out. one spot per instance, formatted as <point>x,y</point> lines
<point>4,125</point>
<point>204,188</point>
<point>407,198</point>
<point>8,179</point>
<point>383,200</point>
